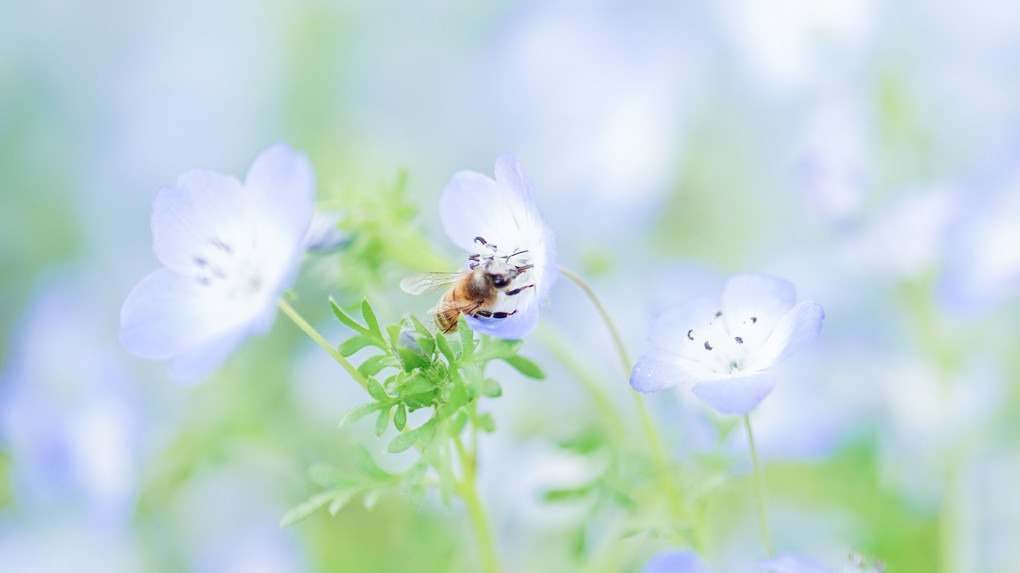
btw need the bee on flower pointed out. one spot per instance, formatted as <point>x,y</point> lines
<point>511,263</point>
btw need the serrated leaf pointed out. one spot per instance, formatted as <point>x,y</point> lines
<point>444,346</point>
<point>354,344</point>
<point>303,510</point>
<point>420,328</point>
<point>382,421</point>
<point>400,417</point>
<point>376,391</point>
<point>467,338</point>
<point>362,460</point>
<point>485,423</point>
<point>499,348</point>
<point>345,318</point>
<point>328,476</point>
<point>373,365</point>
<point>358,413</point>
<point>405,440</point>
<point>491,388</point>
<point>370,319</point>
<point>525,367</point>
<point>340,500</point>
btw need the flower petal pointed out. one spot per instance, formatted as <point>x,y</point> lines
<point>763,297</point>
<point>202,360</point>
<point>658,369</point>
<point>669,330</point>
<point>797,328</point>
<point>472,205</point>
<point>512,177</point>
<point>281,188</point>
<point>675,561</point>
<point>323,234</point>
<point>160,317</point>
<point>737,395</point>
<point>188,219</point>
<point>513,327</point>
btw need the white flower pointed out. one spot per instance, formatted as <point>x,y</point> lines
<point>503,214</point>
<point>229,249</point>
<point>725,348</point>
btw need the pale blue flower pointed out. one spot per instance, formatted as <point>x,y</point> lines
<point>983,258</point>
<point>229,249</point>
<point>500,219</point>
<point>724,348</point>
<point>675,561</point>
<point>323,234</point>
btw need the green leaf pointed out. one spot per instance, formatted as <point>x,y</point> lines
<point>485,423</point>
<point>567,494</point>
<point>329,477</point>
<point>382,421</point>
<point>356,343</point>
<point>467,338</point>
<point>345,318</point>
<point>411,359</point>
<point>444,347</point>
<point>376,391</point>
<point>491,388</point>
<point>340,500</point>
<point>373,365</point>
<point>525,366</point>
<point>400,417</point>
<point>372,497</point>
<point>362,460</point>
<point>359,412</point>
<point>303,510</point>
<point>405,440</point>
<point>373,323</point>
<point>499,348</point>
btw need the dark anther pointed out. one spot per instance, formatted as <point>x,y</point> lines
<point>754,319</point>
<point>483,313</point>
<point>739,340</point>
<point>221,246</point>
<point>508,257</point>
<point>708,346</point>
<point>200,261</point>
<point>480,240</point>
<point>689,332</point>
<point>503,314</point>
<point>718,313</point>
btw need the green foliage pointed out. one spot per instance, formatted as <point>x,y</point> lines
<point>415,369</point>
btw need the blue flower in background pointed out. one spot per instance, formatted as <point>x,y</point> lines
<point>229,249</point>
<point>675,561</point>
<point>500,218</point>
<point>724,348</point>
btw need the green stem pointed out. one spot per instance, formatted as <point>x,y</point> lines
<point>759,487</point>
<point>551,340</point>
<point>468,491</point>
<point>654,443</point>
<point>314,335</point>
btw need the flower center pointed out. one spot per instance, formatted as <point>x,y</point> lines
<point>724,347</point>
<point>224,268</point>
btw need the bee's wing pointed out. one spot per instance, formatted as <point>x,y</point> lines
<point>424,282</point>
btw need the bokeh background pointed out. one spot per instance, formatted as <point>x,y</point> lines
<point>867,151</point>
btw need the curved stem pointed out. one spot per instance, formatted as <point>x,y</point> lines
<point>759,487</point>
<point>646,421</point>
<point>314,335</point>
<point>467,489</point>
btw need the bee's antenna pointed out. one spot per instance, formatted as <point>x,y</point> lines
<point>508,257</point>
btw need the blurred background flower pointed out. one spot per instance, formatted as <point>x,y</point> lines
<point>862,150</point>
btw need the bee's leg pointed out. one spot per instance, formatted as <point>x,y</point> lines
<point>487,314</point>
<point>518,290</point>
<point>486,244</point>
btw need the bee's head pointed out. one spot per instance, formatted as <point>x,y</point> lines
<point>501,274</point>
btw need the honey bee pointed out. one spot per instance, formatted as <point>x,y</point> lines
<point>474,291</point>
